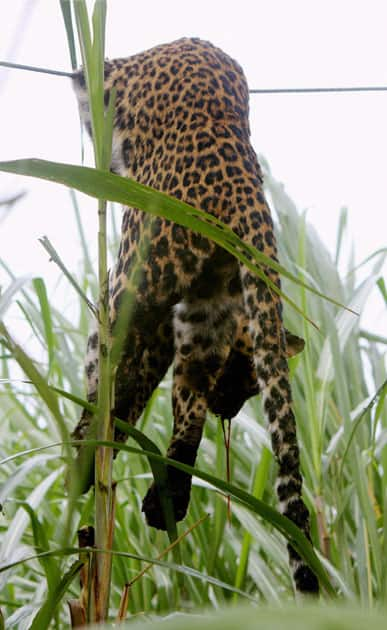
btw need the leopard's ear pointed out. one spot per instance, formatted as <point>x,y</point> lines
<point>294,344</point>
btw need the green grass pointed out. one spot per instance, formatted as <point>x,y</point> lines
<point>342,441</point>
<point>274,618</point>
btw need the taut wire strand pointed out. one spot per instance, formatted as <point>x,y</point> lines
<point>312,90</point>
<point>19,66</point>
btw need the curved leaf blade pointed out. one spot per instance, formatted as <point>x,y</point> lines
<point>111,187</point>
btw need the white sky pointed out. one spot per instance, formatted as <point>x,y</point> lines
<point>329,150</point>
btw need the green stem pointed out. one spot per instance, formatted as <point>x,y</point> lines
<point>92,44</point>
<point>310,392</point>
<point>258,488</point>
<point>103,456</point>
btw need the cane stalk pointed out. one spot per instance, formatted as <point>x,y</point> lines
<point>92,45</point>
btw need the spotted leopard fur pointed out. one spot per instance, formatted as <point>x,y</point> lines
<point>181,126</point>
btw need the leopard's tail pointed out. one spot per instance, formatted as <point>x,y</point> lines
<point>282,427</point>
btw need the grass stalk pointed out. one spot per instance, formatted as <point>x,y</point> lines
<point>311,394</point>
<point>92,43</point>
<point>122,612</point>
<point>261,474</point>
<point>104,456</point>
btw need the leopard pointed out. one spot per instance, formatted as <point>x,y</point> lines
<point>181,126</point>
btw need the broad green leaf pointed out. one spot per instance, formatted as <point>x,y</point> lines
<point>19,474</point>
<point>346,323</point>
<point>288,617</point>
<point>67,551</point>
<point>257,492</point>
<point>280,522</point>
<point>111,187</point>
<point>286,527</point>
<point>68,22</point>
<point>159,471</point>
<point>377,398</point>
<point>45,310</point>
<point>47,611</point>
<point>6,298</point>
<point>29,368</point>
<point>10,541</point>
<point>50,567</point>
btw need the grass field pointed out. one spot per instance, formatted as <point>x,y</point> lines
<point>341,425</point>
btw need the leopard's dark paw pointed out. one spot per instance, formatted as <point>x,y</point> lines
<point>152,509</point>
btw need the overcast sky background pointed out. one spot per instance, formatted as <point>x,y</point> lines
<point>330,150</point>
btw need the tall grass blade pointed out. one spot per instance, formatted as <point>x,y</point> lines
<point>128,192</point>
<point>46,613</point>
<point>41,543</point>
<point>68,22</point>
<point>92,49</point>
<point>184,570</point>
<point>54,256</point>
<point>9,546</point>
<point>6,298</point>
<point>45,311</point>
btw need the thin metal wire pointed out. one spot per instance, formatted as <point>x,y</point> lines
<point>375,88</point>
<point>313,90</point>
<point>19,66</point>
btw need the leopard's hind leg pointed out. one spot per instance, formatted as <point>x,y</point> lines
<point>204,328</point>
<point>146,356</point>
